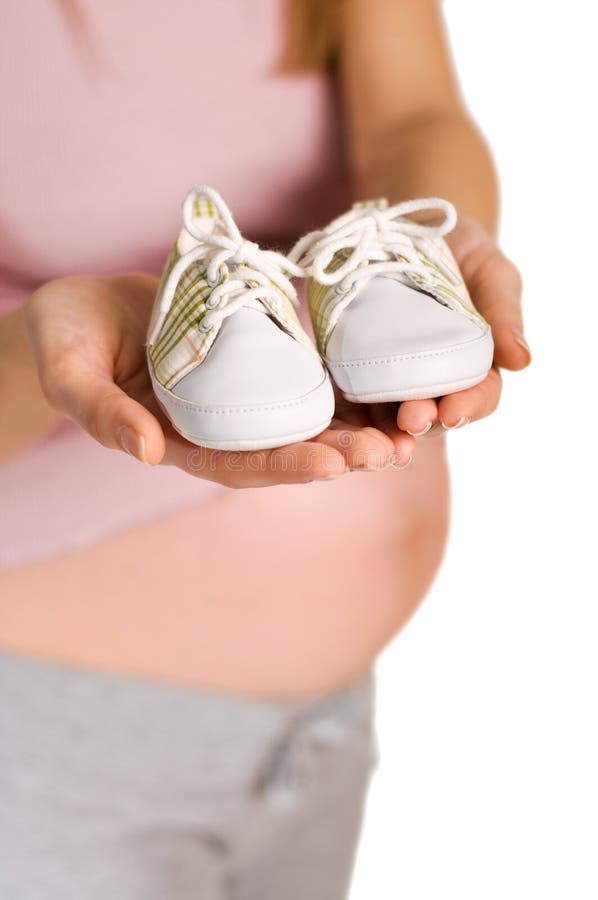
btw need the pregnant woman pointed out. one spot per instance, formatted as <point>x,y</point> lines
<point>185,697</point>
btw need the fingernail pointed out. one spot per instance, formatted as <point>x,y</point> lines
<point>420,433</point>
<point>332,476</point>
<point>132,443</point>
<point>387,464</point>
<point>520,339</point>
<point>436,429</point>
<point>398,468</point>
<point>464,420</point>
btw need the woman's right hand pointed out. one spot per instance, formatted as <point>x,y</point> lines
<point>88,336</point>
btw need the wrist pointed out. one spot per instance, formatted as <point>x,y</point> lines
<point>433,156</point>
<point>24,412</point>
<point>15,348</point>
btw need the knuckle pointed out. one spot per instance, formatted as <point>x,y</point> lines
<point>95,423</point>
<point>515,276</point>
<point>56,372</point>
<point>492,389</point>
<point>103,412</point>
<point>47,382</point>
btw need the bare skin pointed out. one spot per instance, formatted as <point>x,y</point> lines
<point>289,638</point>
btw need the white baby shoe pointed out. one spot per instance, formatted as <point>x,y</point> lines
<point>391,312</point>
<point>229,360</point>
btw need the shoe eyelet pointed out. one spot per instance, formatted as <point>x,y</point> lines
<point>204,326</point>
<point>346,289</point>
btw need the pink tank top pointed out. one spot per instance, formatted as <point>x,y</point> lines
<point>99,144</point>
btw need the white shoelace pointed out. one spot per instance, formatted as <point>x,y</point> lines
<point>381,242</point>
<point>224,253</point>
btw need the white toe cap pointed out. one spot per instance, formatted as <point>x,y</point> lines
<point>395,343</point>
<point>252,361</point>
<point>258,387</point>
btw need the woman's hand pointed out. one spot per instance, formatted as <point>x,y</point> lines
<point>495,287</point>
<point>88,338</point>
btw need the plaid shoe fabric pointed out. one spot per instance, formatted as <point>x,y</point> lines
<point>176,340</point>
<point>362,254</point>
<point>437,272</point>
<point>228,357</point>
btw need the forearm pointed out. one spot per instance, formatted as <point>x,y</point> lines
<point>436,156</point>
<point>25,415</point>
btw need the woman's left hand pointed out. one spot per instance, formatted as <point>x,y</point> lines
<point>494,284</point>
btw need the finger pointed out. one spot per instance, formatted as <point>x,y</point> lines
<point>294,464</point>
<point>456,410</point>
<point>362,447</point>
<point>417,417</point>
<point>98,405</point>
<point>496,288</point>
<point>385,418</point>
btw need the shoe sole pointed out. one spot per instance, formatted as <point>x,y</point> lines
<point>269,444</point>
<point>394,383</point>
<point>418,393</point>
<point>320,399</point>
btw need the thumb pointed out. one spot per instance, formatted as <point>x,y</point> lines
<point>496,291</point>
<point>103,409</point>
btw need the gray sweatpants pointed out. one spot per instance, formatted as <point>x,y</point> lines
<point>125,788</point>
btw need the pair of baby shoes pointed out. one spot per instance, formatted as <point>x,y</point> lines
<point>233,368</point>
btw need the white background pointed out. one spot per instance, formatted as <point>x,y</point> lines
<point>488,700</point>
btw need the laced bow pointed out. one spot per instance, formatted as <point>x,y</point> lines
<point>256,274</point>
<point>378,242</point>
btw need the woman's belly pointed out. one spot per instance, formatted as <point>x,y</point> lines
<point>283,591</point>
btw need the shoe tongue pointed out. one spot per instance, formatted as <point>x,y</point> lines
<point>377,203</point>
<point>205,221</point>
